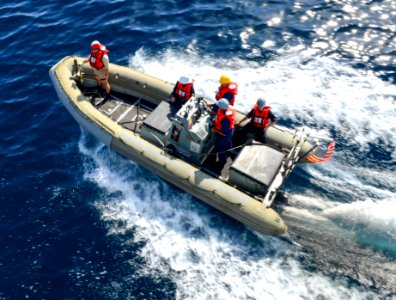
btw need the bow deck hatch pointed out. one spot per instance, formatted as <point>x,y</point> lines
<point>255,168</point>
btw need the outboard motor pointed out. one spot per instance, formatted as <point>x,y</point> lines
<point>76,73</point>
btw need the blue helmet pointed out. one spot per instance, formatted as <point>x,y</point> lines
<point>223,103</point>
<point>184,80</point>
<point>261,102</point>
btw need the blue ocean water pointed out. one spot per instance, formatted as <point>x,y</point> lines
<point>78,221</point>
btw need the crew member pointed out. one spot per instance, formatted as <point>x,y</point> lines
<point>261,118</point>
<point>227,89</point>
<point>182,91</point>
<point>99,61</point>
<point>224,129</point>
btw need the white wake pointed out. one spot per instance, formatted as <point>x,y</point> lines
<point>188,241</point>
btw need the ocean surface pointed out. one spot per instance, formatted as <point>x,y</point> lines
<point>78,221</point>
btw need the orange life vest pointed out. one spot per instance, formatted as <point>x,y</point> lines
<point>230,114</point>
<point>232,87</point>
<point>183,91</point>
<point>260,118</point>
<point>95,60</point>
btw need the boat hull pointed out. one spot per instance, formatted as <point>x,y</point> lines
<point>187,177</point>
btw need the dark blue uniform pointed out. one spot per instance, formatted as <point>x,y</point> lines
<point>259,133</point>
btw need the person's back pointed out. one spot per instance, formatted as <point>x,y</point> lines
<point>224,130</point>
<point>227,89</point>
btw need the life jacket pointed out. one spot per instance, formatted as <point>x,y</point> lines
<point>230,114</point>
<point>183,91</point>
<point>260,118</point>
<point>95,60</point>
<point>232,87</point>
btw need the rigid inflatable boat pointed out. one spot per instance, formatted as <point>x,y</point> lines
<point>177,144</point>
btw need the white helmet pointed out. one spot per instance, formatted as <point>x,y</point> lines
<point>95,43</point>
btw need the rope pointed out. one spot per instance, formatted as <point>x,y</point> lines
<point>215,153</point>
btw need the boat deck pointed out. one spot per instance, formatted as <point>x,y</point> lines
<point>130,112</point>
<point>126,110</point>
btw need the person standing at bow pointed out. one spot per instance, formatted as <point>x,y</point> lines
<point>227,89</point>
<point>224,129</point>
<point>261,118</point>
<point>99,61</point>
<point>182,91</point>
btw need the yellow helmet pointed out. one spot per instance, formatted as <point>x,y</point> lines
<point>224,79</point>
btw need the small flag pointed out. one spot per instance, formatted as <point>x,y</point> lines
<point>316,159</point>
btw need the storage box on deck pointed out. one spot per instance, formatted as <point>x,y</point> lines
<point>157,124</point>
<point>255,168</point>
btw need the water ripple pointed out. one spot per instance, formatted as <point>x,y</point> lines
<point>314,60</point>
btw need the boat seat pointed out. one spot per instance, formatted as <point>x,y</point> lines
<point>156,125</point>
<point>160,120</point>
